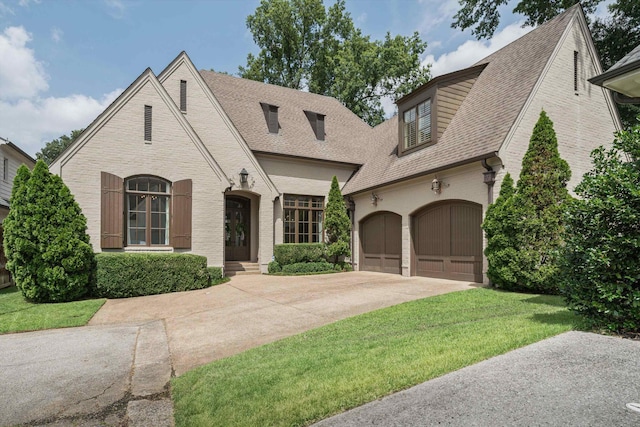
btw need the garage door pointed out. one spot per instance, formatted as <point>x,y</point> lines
<point>447,241</point>
<point>381,243</point>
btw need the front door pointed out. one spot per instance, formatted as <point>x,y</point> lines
<point>236,227</point>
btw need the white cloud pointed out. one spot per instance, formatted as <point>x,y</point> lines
<point>472,51</point>
<point>21,75</point>
<point>27,116</point>
<point>31,123</point>
<point>435,16</point>
<point>56,34</point>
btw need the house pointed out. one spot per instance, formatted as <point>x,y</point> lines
<point>12,158</point>
<point>201,162</point>
<point>623,78</point>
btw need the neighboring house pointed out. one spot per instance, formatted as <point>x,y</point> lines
<point>12,157</point>
<point>623,78</point>
<point>206,163</point>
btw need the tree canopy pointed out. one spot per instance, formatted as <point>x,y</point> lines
<point>307,46</point>
<point>54,148</point>
<point>601,263</point>
<point>614,36</point>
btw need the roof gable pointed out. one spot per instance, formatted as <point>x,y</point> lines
<point>147,77</point>
<point>486,116</point>
<point>183,60</point>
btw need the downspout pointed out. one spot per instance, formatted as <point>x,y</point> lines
<point>352,214</point>
<point>489,179</point>
<point>623,99</point>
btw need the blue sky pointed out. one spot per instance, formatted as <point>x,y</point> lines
<point>63,62</point>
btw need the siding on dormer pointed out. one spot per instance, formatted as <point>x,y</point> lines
<point>450,96</point>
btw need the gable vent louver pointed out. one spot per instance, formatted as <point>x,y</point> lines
<point>271,117</point>
<point>316,120</point>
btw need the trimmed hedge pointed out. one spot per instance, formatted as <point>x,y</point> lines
<point>123,275</point>
<point>215,274</point>
<point>292,253</point>
<point>308,267</point>
<point>274,267</point>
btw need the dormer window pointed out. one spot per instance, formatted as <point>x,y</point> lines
<point>417,125</point>
<point>271,117</point>
<point>316,120</point>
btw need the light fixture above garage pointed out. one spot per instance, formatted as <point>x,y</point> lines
<point>436,185</point>
<point>375,198</point>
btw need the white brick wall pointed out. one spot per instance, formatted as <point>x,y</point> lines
<point>118,147</point>
<point>582,119</point>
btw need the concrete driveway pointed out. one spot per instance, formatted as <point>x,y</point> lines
<point>116,370</point>
<point>252,310</point>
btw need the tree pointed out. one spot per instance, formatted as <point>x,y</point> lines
<point>54,148</point>
<point>614,36</point>
<point>526,255</point>
<point>305,46</point>
<point>483,16</point>
<point>600,260</point>
<point>501,226</point>
<point>47,247</point>
<point>337,224</point>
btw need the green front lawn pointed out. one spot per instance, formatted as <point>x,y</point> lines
<point>18,315</point>
<point>314,375</point>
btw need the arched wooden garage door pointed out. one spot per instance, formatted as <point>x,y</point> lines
<point>381,243</point>
<point>447,241</point>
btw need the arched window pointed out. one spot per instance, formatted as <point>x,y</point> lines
<point>148,202</point>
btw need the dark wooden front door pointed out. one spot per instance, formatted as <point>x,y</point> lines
<point>381,240</point>
<point>237,223</point>
<point>447,240</point>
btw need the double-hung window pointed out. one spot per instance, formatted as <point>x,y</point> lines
<point>303,219</point>
<point>147,205</point>
<point>417,125</point>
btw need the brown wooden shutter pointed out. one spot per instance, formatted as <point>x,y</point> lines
<point>181,215</point>
<point>112,211</point>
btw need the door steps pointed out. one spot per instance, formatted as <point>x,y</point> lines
<point>232,268</point>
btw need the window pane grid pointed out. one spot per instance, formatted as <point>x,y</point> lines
<point>302,219</point>
<point>147,211</point>
<point>417,125</point>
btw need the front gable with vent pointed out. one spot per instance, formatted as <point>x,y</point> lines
<point>144,137</point>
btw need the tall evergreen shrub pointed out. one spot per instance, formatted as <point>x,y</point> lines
<point>337,224</point>
<point>534,229</point>
<point>47,247</point>
<point>601,258</point>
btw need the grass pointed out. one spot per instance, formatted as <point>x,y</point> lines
<point>311,376</point>
<point>19,315</point>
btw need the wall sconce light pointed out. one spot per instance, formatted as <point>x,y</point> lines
<point>436,186</point>
<point>375,198</point>
<point>243,176</point>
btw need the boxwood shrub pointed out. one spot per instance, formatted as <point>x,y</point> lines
<point>308,267</point>
<point>274,267</point>
<point>215,274</point>
<point>292,253</point>
<point>123,275</point>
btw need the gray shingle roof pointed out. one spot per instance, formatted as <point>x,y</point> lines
<point>630,62</point>
<point>346,139</point>
<point>484,119</point>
